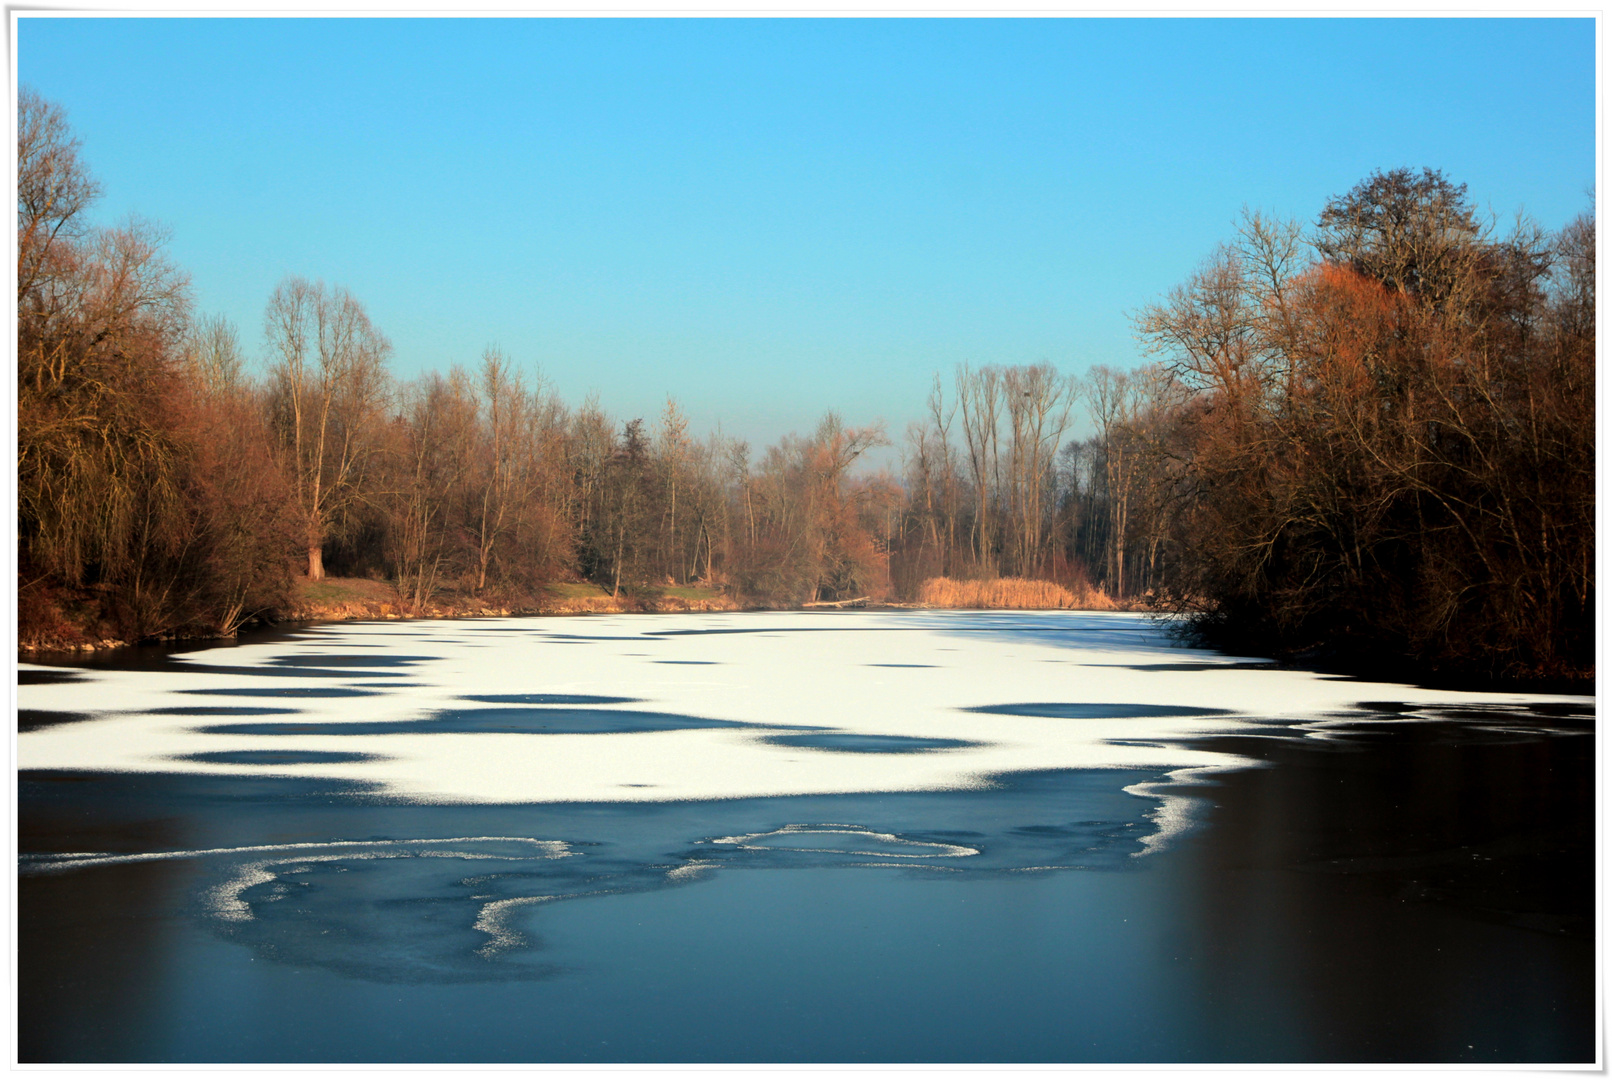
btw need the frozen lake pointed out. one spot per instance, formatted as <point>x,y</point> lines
<point>871,836</point>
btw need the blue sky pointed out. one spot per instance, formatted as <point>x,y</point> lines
<point>771,218</point>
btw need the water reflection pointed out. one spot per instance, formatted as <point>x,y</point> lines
<point>1342,891</point>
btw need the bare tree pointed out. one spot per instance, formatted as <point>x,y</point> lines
<point>498,487</point>
<point>1416,233</point>
<point>815,525</point>
<point>979,401</point>
<point>53,190</point>
<point>213,353</point>
<point>1038,402</point>
<point>737,460</point>
<point>588,446</point>
<point>329,385</point>
<point>672,451</point>
<point>431,454</point>
<point>625,497</point>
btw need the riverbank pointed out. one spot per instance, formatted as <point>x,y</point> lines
<point>341,599</point>
<point>338,599</point>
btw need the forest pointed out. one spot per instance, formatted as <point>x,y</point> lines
<point>1367,440</point>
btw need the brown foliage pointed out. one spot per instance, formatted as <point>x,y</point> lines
<point>1412,480</point>
<point>142,497</point>
<point>817,533</point>
<point>102,455</point>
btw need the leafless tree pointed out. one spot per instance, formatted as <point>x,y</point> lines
<point>53,190</point>
<point>213,353</point>
<point>329,385</point>
<point>979,401</point>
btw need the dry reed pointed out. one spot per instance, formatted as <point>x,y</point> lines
<point>1011,593</point>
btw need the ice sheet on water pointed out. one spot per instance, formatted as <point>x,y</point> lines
<point>273,670</point>
<point>1027,744</point>
<point>856,841</point>
<point>509,721</point>
<point>280,691</point>
<point>1211,665</point>
<point>276,757</point>
<point>853,743</point>
<point>548,699</point>
<point>1094,710</point>
<point>361,660</point>
<point>221,710</point>
<point>986,704</point>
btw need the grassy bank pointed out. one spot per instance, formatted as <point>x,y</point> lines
<point>336,599</point>
<point>359,598</point>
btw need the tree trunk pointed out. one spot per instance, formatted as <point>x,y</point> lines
<point>615,590</point>
<point>316,562</point>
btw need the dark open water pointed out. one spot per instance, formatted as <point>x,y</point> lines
<point>1402,892</point>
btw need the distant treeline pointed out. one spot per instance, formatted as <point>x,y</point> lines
<point>1374,438</point>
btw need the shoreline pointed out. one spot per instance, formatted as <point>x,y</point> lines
<point>30,652</point>
<point>115,652</point>
<point>337,600</point>
<point>361,599</point>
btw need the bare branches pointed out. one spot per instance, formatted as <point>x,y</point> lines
<point>53,190</point>
<point>329,385</point>
<point>1387,448</point>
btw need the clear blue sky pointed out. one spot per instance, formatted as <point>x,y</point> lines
<point>768,219</point>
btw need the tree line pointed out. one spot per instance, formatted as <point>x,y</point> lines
<point>1375,439</point>
<point>1374,436</point>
